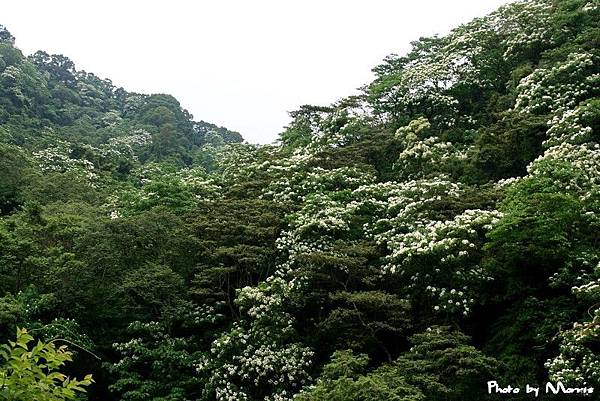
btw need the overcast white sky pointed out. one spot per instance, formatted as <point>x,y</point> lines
<point>238,63</point>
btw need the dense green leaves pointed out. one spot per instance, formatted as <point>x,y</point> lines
<point>456,197</point>
<point>31,372</point>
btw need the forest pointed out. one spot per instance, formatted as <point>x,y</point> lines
<point>435,232</point>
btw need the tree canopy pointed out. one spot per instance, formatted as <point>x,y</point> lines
<point>412,242</point>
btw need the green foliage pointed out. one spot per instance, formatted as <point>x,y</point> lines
<point>5,36</point>
<point>460,188</point>
<point>155,366</point>
<point>444,366</point>
<point>32,372</point>
<point>439,366</point>
<point>365,320</point>
<point>13,175</point>
<point>343,379</point>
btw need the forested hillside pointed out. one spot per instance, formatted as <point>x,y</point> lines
<point>436,231</point>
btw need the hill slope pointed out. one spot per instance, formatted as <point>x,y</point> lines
<point>411,243</point>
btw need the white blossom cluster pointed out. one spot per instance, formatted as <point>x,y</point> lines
<point>57,158</point>
<point>569,127</point>
<point>405,206</point>
<point>205,313</point>
<point>428,151</point>
<point>424,80</point>
<point>574,168</point>
<point>452,249</point>
<point>506,182</point>
<point>578,364</point>
<point>561,91</point>
<point>302,181</point>
<point>523,25</point>
<point>238,161</point>
<point>458,235</point>
<point>336,127</point>
<point>423,156</point>
<point>571,163</point>
<point>21,82</point>
<point>128,145</point>
<point>423,83</point>
<point>590,289</point>
<point>403,217</point>
<point>257,351</point>
<point>11,74</point>
<point>258,302</point>
<point>427,236</point>
<point>559,88</point>
<point>131,348</point>
<point>201,184</point>
<point>11,78</point>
